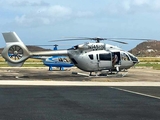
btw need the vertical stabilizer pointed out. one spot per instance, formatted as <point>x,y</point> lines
<point>11,37</point>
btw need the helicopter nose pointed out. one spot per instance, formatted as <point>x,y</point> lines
<point>135,60</point>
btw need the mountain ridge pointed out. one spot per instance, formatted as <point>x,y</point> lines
<point>147,49</point>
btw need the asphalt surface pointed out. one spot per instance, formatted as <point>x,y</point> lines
<point>38,94</point>
<point>78,103</point>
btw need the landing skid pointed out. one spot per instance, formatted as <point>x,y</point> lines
<point>104,74</point>
<point>114,74</point>
<point>77,73</point>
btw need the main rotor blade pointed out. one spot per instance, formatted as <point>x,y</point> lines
<point>67,39</point>
<point>117,41</point>
<point>50,45</point>
<point>98,39</point>
<point>45,45</point>
<point>139,39</point>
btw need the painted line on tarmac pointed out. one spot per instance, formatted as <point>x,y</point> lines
<point>133,92</point>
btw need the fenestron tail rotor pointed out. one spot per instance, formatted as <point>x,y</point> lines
<point>15,52</point>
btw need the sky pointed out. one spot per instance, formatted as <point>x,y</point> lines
<point>38,21</point>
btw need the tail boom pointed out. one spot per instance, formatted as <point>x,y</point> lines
<point>50,53</point>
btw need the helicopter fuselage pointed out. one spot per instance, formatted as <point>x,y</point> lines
<point>101,57</point>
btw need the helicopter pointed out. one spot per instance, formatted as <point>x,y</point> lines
<point>90,57</point>
<point>55,60</point>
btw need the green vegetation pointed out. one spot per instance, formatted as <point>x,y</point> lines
<point>29,60</point>
<point>4,64</point>
<point>34,65</point>
<point>153,62</point>
<point>149,59</point>
<point>29,63</point>
<point>153,65</point>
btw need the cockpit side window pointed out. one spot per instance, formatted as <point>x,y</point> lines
<point>125,57</point>
<point>91,56</point>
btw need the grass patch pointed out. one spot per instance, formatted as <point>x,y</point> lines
<point>33,65</point>
<point>153,65</point>
<point>149,59</point>
<point>26,64</point>
<point>28,60</point>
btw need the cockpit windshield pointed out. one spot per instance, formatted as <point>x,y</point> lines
<point>133,58</point>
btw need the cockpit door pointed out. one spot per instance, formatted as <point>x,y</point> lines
<point>116,58</point>
<point>126,60</point>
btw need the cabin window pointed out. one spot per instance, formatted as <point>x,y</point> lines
<point>106,57</point>
<point>91,57</point>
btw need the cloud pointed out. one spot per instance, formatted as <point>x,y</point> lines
<point>49,15</point>
<point>140,2</point>
<point>133,6</point>
<point>44,16</point>
<point>22,3</point>
<point>28,3</point>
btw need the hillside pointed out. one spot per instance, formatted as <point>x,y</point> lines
<point>147,49</point>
